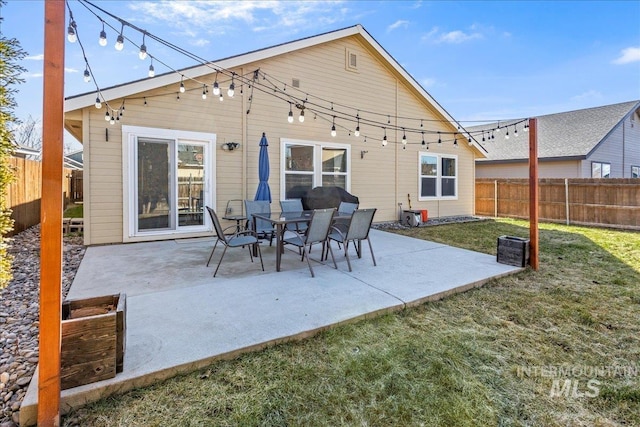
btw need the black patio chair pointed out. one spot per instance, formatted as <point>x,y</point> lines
<point>263,229</point>
<point>239,239</point>
<point>357,231</point>
<point>317,232</point>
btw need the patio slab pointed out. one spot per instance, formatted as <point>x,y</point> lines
<point>179,318</point>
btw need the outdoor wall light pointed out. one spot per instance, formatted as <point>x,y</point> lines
<point>230,146</point>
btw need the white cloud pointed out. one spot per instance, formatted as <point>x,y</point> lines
<point>454,37</point>
<point>35,57</point>
<point>70,70</point>
<point>428,82</point>
<point>219,16</point>
<point>32,75</point>
<point>200,42</point>
<point>628,55</point>
<point>588,95</point>
<point>399,23</point>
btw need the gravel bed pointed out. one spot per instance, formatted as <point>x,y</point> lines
<point>395,225</point>
<point>19,316</point>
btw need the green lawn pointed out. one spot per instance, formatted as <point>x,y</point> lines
<point>73,211</point>
<point>471,359</point>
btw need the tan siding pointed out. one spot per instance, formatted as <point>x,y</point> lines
<point>381,179</point>
<point>559,169</point>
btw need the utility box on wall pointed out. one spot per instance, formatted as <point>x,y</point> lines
<point>513,251</point>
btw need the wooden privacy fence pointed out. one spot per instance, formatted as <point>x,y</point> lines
<point>23,195</point>
<point>612,202</point>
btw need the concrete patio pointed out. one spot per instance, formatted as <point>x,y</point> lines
<point>179,318</point>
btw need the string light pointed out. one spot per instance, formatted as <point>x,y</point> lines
<point>98,104</point>
<point>498,128</point>
<point>182,89</point>
<point>333,127</point>
<point>404,137</point>
<point>102,41</point>
<point>455,141</point>
<point>439,138</point>
<point>290,118</point>
<point>120,40</point>
<point>301,116</point>
<point>423,143</point>
<point>106,116</point>
<point>506,136</point>
<point>145,101</point>
<point>143,49</point>
<point>216,87</point>
<point>357,131</point>
<point>112,119</point>
<point>87,75</point>
<point>221,98</point>
<point>204,91</point>
<point>71,31</point>
<point>152,71</point>
<point>232,86</point>
<point>384,139</point>
<point>515,131</point>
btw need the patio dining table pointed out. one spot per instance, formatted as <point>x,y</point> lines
<point>281,219</point>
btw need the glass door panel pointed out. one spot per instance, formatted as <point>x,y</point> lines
<point>154,184</point>
<point>191,187</point>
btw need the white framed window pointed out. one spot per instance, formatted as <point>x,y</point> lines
<point>437,176</point>
<point>308,164</point>
<point>600,170</point>
<point>168,180</point>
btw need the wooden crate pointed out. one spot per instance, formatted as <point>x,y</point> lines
<point>513,251</point>
<point>93,339</point>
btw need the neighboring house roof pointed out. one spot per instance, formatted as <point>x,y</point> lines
<point>22,151</point>
<point>568,135</point>
<point>77,102</point>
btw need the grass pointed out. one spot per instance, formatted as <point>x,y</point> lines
<point>457,362</point>
<point>74,211</point>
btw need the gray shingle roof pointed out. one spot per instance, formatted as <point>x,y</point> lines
<point>569,134</point>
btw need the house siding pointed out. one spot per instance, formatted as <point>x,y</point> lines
<point>546,169</point>
<point>381,179</point>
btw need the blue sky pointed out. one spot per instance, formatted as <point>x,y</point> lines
<point>481,60</point>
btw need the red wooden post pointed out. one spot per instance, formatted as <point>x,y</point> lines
<point>51,215</point>
<point>533,193</point>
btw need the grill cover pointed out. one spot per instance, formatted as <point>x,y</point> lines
<point>327,197</point>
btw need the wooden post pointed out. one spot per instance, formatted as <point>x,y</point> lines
<point>51,215</point>
<point>533,193</point>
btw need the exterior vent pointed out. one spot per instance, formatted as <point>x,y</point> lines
<point>351,60</point>
<point>295,83</point>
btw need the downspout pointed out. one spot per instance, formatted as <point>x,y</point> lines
<point>624,167</point>
<point>396,166</point>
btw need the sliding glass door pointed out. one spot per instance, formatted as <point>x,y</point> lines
<point>169,182</point>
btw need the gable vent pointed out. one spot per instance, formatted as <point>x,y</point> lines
<point>295,83</point>
<point>351,60</point>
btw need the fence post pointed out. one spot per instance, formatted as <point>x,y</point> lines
<point>533,193</point>
<point>495,198</point>
<point>566,198</point>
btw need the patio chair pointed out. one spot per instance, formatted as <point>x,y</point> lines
<point>357,231</point>
<point>240,239</point>
<point>264,229</point>
<point>293,205</point>
<point>343,224</point>
<point>317,232</point>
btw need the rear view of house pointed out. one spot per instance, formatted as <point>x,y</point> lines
<point>336,108</point>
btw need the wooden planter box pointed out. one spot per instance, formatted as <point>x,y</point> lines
<point>93,339</point>
<point>513,251</point>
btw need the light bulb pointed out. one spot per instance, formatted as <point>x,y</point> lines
<point>506,136</point>
<point>87,76</point>
<point>98,103</point>
<point>152,72</point>
<point>384,141</point>
<point>112,120</point>
<point>106,116</point>
<point>71,32</point>
<point>182,87</point>
<point>301,117</point>
<point>290,118</point>
<point>204,92</point>
<point>221,98</point>
<point>143,52</point>
<point>404,139</point>
<point>515,132</point>
<point>216,88</point>
<point>103,38</point>
<point>231,90</point>
<point>333,131</point>
<point>498,129</point>
<point>357,132</point>
<point>120,42</point>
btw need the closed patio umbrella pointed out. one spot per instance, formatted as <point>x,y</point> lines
<point>263,192</point>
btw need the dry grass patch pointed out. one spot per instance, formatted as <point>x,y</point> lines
<point>456,362</point>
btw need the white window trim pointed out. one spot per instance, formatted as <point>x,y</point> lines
<point>438,177</point>
<point>317,161</point>
<point>129,135</point>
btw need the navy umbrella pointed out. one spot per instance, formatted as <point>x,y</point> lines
<point>263,192</point>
